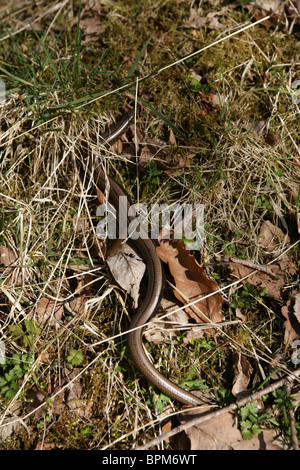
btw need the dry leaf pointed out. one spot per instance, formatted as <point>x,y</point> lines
<point>152,149</point>
<point>172,138</point>
<point>240,315</point>
<point>209,101</point>
<point>8,427</point>
<point>77,305</point>
<point>74,399</point>
<point>101,196</point>
<point>48,310</point>
<point>271,139</point>
<point>196,21</point>
<point>45,445</point>
<point>241,379</point>
<point>221,433</point>
<point>291,312</point>
<point>165,330</point>
<point>270,6</point>
<point>37,397</point>
<point>257,129</point>
<point>128,270</point>
<point>274,282</point>
<point>284,15</point>
<point>271,237</point>
<point>191,282</point>
<point>297,307</point>
<point>92,28</point>
<point>12,273</point>
<point>7,256</point>
<point>82,291</point>
<point>80,222</point>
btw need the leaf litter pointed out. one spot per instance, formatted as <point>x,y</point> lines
<point>191,282</point>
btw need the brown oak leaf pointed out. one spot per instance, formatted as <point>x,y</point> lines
<point>191,282</point>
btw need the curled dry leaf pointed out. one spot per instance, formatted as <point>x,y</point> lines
<point>128,270</point>
<point>82,291</point>
<point>291,312</point>
<point>271,237</point>
<point>241,378</point>
<point>191,282</point>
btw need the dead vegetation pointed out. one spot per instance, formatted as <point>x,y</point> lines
<point>217,123</point>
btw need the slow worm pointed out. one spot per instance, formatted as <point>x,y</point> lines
<point>155,281</point>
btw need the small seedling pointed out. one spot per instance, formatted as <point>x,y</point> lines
<point>74,358</point>
<point>153,173</point>
<point>160,402</point>
<point>248,297</point>
<point>249,420</point>
<point>11,372</point>
<point>25,334</point>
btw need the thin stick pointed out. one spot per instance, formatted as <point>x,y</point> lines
<point>291,413</point>
<point>250,264</point>
<point>215,414</point>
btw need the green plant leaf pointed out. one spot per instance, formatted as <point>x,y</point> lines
<point>74,357</point>
<point>247,435</point>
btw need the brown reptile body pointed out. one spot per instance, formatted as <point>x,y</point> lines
<point>155,283</point>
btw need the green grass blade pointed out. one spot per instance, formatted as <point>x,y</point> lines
<point>54,68</point>
<point>15,78</point>
<point>138,58</point>
<point>160,115</point>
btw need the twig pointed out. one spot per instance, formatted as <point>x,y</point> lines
<point>295,441</point>
<point>250,264</point>
<point>214,414</point>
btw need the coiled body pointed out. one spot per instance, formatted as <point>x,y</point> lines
<point>155,282</point>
